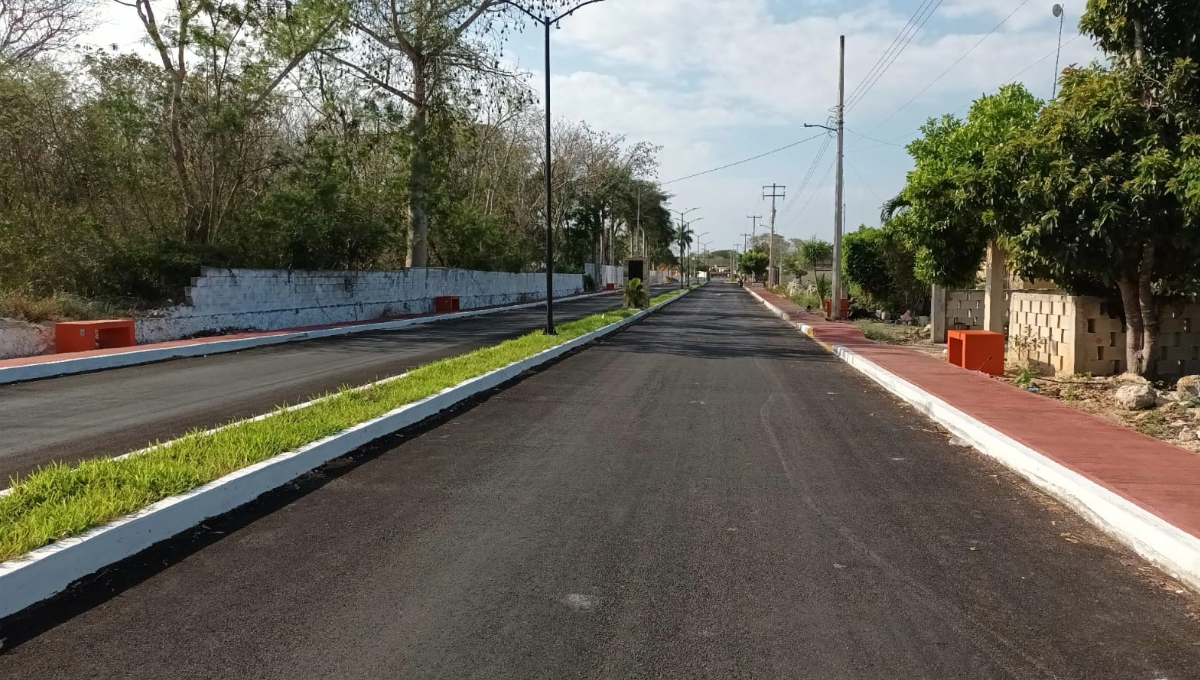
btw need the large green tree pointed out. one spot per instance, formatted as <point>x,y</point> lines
<point>1106,176</point>
<point>954,201</point>
<point>879,265</point>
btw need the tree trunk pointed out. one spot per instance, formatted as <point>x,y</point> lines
<point>418,175</point>
<point>1148,312</point>
<point>1134,330</point>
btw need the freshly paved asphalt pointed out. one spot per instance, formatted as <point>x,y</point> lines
<point>113,412</point>
<point>705,495</point>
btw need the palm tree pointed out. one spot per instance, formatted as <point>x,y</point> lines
<point>894,206</point>
<point>684,237</point>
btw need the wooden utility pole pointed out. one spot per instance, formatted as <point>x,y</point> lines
<point>777,191</point>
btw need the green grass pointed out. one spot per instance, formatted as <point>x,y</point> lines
<point>59,500</point>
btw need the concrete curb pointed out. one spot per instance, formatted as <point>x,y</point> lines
<point>1166,546</point>
<point>53,369</point>
<point>51,569</point>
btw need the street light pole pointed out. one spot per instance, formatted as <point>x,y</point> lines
<point>1057,10</point>
<point>682,246</point>
<point>547,22</point>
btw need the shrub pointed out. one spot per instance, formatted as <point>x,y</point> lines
<point>635,294</point>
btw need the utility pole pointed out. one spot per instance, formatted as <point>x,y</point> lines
<point>777,191</point>
<point>746,243</point>
<point>835,307</point>
<point>753,224</point>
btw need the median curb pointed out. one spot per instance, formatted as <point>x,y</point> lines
<point>51,569</point>
<point>103,362</point>
<point>1168,547</point>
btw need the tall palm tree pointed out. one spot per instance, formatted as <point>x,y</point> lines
<point>684,237</point>
<point>894,206</point>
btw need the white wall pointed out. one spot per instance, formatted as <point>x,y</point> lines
<point>18,339</point>
<point>251,299</point>
<point>607,274</point>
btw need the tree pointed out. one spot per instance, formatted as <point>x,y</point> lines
<point>955,202</point>
<point>754,263</point>
<point>1101,185</point>
<point>815,253</point>
<point>241,53</point>
<point>880,266</point>
<point>425,53</point>
<point>30,28</point>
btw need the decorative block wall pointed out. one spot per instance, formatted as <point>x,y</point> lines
<point>1067,335</point>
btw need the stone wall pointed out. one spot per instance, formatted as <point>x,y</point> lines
<point>19,339</point>
<point>248,299</point>
<point>1070,335</point>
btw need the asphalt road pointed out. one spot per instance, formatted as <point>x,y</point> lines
<point>705,495</point>
<point>113,412</point>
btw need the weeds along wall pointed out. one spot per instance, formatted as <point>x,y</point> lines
<point>254,299</point>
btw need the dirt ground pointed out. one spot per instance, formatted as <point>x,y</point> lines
<point>1173,420</point>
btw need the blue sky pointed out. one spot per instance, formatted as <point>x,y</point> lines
<point>716,81</point>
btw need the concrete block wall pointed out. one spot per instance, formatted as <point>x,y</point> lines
<point>250,299</point>
<point>964,309</point>
<point>1042,329</point>
<point>1071,335</point>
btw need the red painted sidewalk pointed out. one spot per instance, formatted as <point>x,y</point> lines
<point>49,358</point>
<point>1161,478</point>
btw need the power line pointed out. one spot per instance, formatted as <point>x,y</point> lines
<point>808,175</point>
<point>948,70</point>
<point>813,195</point>
<point>994,90</point>
<point>859,134</point>
<point>886,53</point>
<point>856,100</point>
<point>743,161</point>
<point>865,183</point>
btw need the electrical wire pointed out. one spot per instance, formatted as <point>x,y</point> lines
<point>812,169</point>
<point>951,68</point>
<point>1010,81</point>
<point>855,101</point>
<point>743,161</point>
<point>886,53</point>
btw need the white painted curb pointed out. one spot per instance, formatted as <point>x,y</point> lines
<point>1168,547</point>
<point>52,369</point>
<point>49,570</point>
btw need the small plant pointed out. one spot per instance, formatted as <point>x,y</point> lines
<point>1069,393</point>
<point>1025,376</point>
<point>635,294</point>
<point>1151,424</point>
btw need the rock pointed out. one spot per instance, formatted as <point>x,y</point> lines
<point>1136,396</point>
<point>1186,436</point>
<point>1166,399</point>
<point>1188,387</point>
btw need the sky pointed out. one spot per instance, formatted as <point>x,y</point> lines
<point>714,82</point>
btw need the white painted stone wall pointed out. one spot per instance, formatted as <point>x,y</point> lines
<point>249,299</point>
<point>606,274</point>
<point>19,339</point>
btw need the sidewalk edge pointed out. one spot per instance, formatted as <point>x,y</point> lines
<point>49,570</point>
<point>1166,546</point>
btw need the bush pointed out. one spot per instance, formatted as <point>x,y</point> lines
<point>635,294</point>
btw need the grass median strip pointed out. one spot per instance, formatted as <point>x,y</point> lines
<point>60,501</point>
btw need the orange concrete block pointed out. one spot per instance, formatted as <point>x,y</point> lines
<point>81,336</point>
<point>445,303</point>
<point>981,351</point>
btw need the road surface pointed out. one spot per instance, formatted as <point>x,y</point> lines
<point>704,495</point>
<point>113,412</point>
